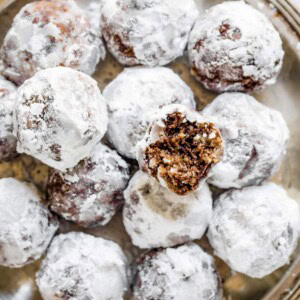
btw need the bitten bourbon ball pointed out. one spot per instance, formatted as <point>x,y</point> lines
<point>26,225</point>
<point>90,193</point>
<point>8,141</point>
<point>234,47</point>
<point>60,117</point>
<point>185,272</point>
<point>180,148</point>
<point>133,96</point>
<point>155,217</point>
<point>48,34</point>
<point>147,32</point>
<point>255,229</point>
<point>255,138</point>
<point>80,266</point>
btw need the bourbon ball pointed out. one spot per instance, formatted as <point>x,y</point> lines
<point>26,225</point>
<point>92,192</point>
<point>255,138</point>
<point>155,217</point>
<point>185,272</point>
<point>133,96</point>
<point>8,141</point>
<point>47,34</point>
<point>234,47</point>
<point>255,229</point>
<point>147,32</point>
<point>60,117</point>
<point>180,148</point>
<point>80,266</point>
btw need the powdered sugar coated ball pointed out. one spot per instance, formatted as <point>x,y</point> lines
<point>8,141</point>
<point>185,272</point>
<point>180,148</point>
<point>133,96</point>
<point>80,266</point>
<point>92,192</point>
<point>147,32</point>
<point>255,229</point>
<point>47,34</point>
<point>26,225</point>
<point>155,217</point>
<point>255,138</point>
<point>60,117</point>
<point>234,47</point>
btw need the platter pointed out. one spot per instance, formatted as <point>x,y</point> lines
<point>18,284</point>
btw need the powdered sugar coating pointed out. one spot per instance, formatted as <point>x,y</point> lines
<point>156,131</point>
<point>255,229</point>
<point>49,34</point>
<point>8,142</point>
<point>185,272</point>
<point>80,266</point>
<point>147,32</point>
<point>93,9</point>
<point>92,192</point>
<point>255,138</point>
<point>155,217</point>
<point>234,47</point>
<point>26,225</point>
<point>133,96</point>
<point>60,117</point>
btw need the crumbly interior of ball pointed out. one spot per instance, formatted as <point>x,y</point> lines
<point>184,153</point>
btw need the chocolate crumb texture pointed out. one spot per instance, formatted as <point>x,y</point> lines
<point>180,149</point>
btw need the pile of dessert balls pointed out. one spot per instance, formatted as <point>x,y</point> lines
<point>52,110</point>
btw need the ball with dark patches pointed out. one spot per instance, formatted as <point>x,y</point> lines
<point>234,47</point>
<point>60,117</point>
<point>48,34</point>
<point>147,32</point>
<point>255,229</point>
<point>92,192</point>
<point>26,225</point>
<point>80,266</point>
<point>255,138</point>
<point>155,217</point>
<point>184,272</point>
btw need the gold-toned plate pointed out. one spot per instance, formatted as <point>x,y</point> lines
<point>19,284</point>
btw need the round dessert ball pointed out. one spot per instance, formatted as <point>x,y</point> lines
<point>234,47</point>
<point>47,34</point>
<point>155,217</point>
<point>255,229</point>
<point>133,96</point>
<point>147,32</point>
<point>26,225</point>
<point>8,141</point>
<point>180,148</point>
<point>255,138</point>
<point>80,266</point>
<point>185,272</point>
<point>60,117</point>
<point>92,192</point>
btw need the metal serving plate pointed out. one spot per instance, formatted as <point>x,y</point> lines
<point>284,284</point>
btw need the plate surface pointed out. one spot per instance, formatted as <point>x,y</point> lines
<point>18,284</point>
